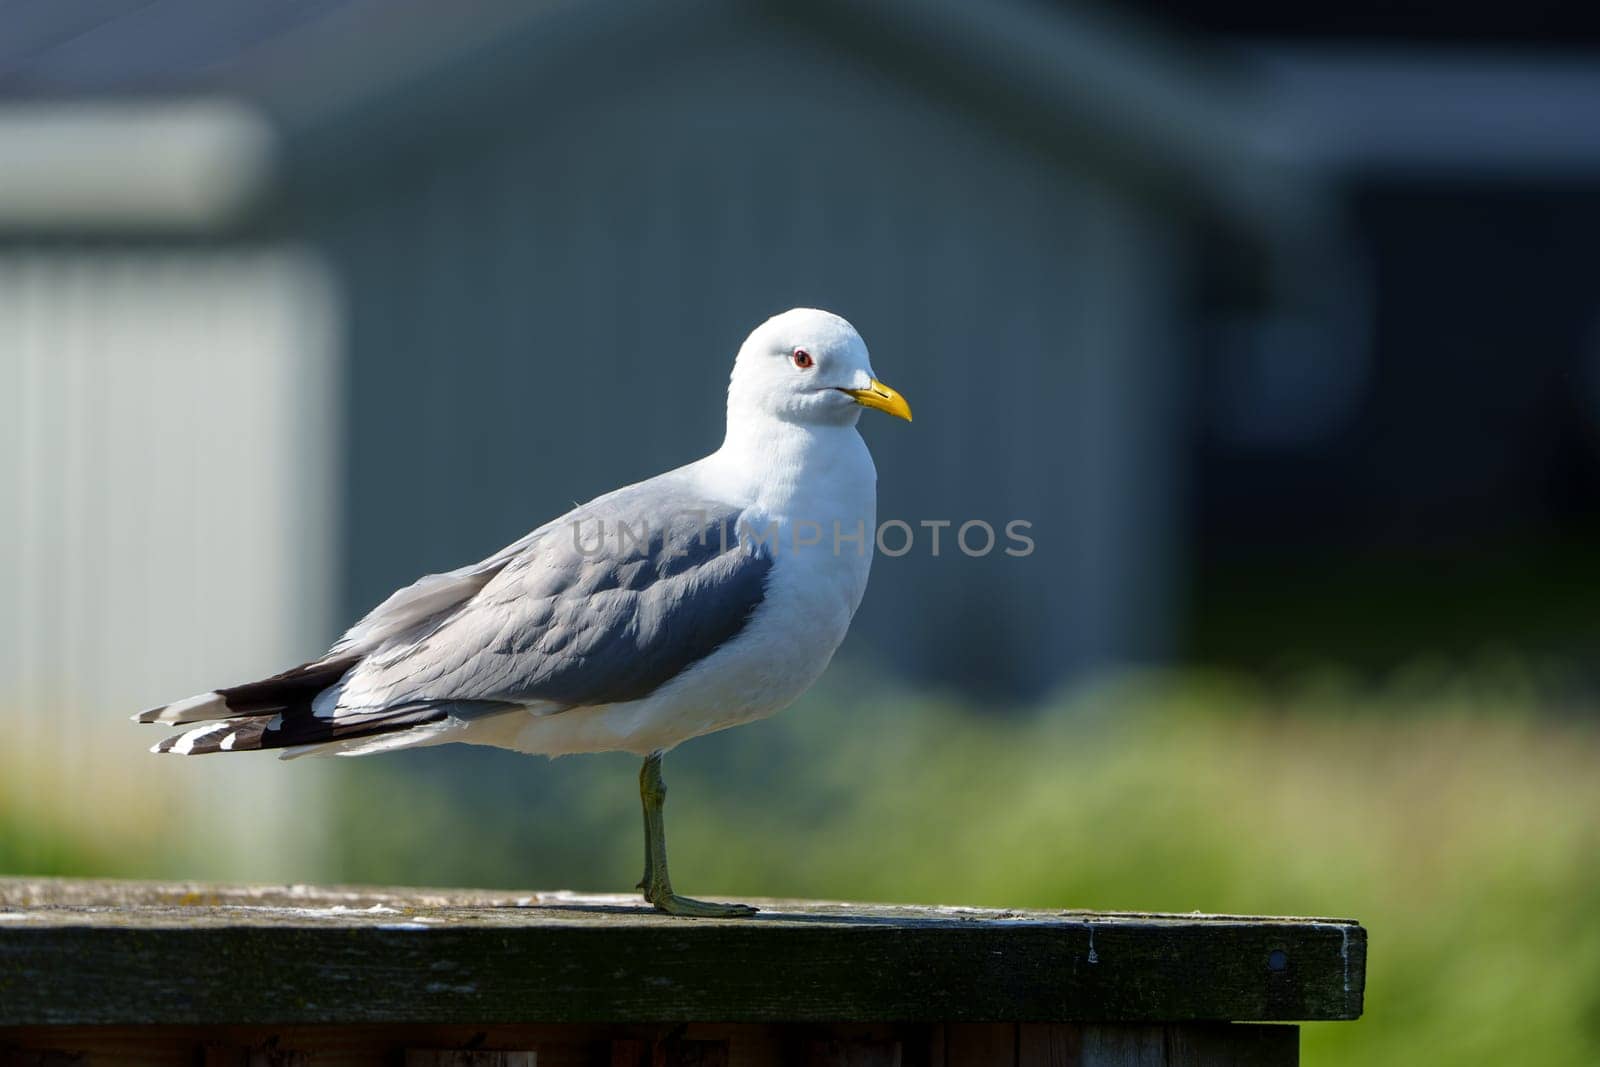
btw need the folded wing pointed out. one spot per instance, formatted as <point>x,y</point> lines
<point>605,605</point>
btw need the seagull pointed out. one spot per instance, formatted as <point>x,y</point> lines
<point>707,597</point>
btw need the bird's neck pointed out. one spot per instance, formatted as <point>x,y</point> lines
<point>782,464</point>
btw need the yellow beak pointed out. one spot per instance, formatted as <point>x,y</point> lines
<point>880,396</point>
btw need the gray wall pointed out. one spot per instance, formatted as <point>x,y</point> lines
<point>547,307</point>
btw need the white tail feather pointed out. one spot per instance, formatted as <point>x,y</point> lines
<point>195,709</point>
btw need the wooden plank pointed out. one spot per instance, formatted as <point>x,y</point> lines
<point>1124,1046</point>
<point>1050,1045</point>
<point>457,1057</point>
<point>1179,1045</point>
<point>268,1053</point>
<point>320,1046</point>
<point>628,1052</point>
<point>97,953</point>
<point>682,1052</point>
<point>980,1045</point>
<point>40,1058</point>
<point>853,1052</point>
<point>1245,1046</point>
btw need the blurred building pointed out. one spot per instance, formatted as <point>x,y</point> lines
<point>299,301</point>
<point>542,233</point>
<point>1282,345</point>
<point>1436,490</point>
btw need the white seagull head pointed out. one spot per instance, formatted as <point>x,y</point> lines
<point>808,366</point>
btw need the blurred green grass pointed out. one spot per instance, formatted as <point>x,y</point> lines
<point>1444,809</point>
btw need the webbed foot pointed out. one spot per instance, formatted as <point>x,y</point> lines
<point>689,908</point>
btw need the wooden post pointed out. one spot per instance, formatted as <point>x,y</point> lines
<point>276,977</point>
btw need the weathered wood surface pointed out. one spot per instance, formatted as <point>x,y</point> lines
<point>76,953</point>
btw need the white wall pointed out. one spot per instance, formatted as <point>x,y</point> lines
<point>167,463</point>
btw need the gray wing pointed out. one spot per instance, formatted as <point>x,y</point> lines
<point>602,606</point>
<point>424,601</point>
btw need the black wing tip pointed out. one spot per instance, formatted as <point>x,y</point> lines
<point>228,735</point>
<point>253,733</point>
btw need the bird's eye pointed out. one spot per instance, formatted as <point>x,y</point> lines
<point>802,359</point>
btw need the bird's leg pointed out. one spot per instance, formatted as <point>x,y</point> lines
<point>652,765</point>
<point>657,882</point>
